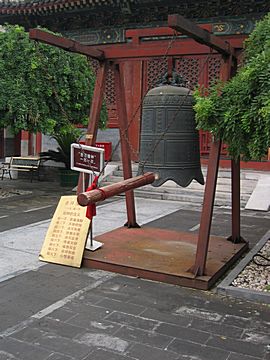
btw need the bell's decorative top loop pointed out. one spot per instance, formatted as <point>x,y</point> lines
<point>175,80</point>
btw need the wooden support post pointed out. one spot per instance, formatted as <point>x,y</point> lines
<point>96,105</point>
<point>227,71</point>
<point>91,134</point>
<point>207,210</point>
<point>186,27</point>
<point>65,43</point>
<point>210,189</point>
<point>236,192</point>
<point>235,188</point>
<point>125,148</point>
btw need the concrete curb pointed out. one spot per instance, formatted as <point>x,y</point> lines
<point>225,287</point>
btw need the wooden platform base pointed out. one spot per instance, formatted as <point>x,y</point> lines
<point>162,255</point>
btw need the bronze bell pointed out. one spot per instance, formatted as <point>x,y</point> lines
<point>169,139</point>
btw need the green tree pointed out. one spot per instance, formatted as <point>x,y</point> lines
<point>43,88</point>
<point>238,111</point>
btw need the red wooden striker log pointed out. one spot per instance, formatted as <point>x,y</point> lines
<point>93,196</point>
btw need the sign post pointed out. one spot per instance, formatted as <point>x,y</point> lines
<point>90,160</point>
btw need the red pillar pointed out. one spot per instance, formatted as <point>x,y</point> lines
<point>38,142</point>
<point>132,77</point>
<point>24,143</point>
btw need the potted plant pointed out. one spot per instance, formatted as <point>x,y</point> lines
<point>64,137</point>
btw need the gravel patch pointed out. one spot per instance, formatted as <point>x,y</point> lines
<point>255,276</point>
<point>4,193</point>
<point>248,280</point>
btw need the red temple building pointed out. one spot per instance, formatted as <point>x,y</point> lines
<point>143,22</point>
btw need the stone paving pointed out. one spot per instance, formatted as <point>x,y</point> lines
<point>51,312</point>
<point>62,313</point>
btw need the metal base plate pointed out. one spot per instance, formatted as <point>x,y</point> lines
<point>95,245</point>
<point>162,255</point>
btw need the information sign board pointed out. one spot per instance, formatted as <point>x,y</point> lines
<point>86,158</point>
<point>66,237</point>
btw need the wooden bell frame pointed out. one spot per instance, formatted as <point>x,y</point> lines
<point>114,56</point>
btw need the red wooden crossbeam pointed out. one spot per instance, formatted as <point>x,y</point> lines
<point>186,27</point>
<point>117,52</point>
<point>133,50</point>
<point>66,44</point>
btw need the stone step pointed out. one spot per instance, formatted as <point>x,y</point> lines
<point>251,175</point>
<point>182,191</point>
<point>194,193</point>
<point>170,186</point>
<point>221,178</point>
<point>185,198</point>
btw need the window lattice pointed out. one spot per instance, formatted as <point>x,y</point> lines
<point>109,85</point>
<point>94,65</point>
<point>156,68</point>
<point>109,89</point>
<point>214,64</point>
<point>189,68</point>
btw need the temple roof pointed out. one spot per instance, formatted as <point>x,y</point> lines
<point>69,15</point>
<point>48,6</point>
<point>27,7</point>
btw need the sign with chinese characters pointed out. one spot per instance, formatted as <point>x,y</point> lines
<point>66,237</point>
<point>86,158</point>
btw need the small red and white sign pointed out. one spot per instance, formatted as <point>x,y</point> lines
<point>88,159</point>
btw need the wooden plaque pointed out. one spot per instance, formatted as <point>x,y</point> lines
<point>66,237</point>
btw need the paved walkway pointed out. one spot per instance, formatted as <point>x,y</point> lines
<point>59,313</point>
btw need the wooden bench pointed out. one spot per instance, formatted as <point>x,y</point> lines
<point>18,163</point>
